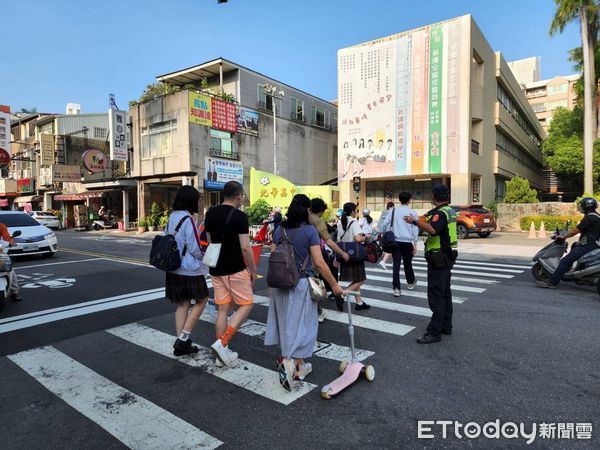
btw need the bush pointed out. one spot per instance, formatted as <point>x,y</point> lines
<point>550,222</point>
<point>519,191</point>
<point>327,215</point>
<point>155,213</point>
<point>493,207</point>
<point>258,212</point>
<point>142,222</point>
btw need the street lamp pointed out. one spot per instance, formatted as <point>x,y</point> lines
<point>275,93</point>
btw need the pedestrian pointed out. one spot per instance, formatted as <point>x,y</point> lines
<point>292,321</point>
<point>186,285</point>
<point>13,293</point>
<point>366,223</point>
<point>406,237</point>
<point>386,256</point>
<point>234,276</point>
<point>589,228</point>
<point>440,254</point>
<point>328,247</point>
<point>354,271</point>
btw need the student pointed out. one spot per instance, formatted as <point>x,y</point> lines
<point>292,322</point>
<point>386,256</point>
<point>366,223</point>
<point>186,284</point>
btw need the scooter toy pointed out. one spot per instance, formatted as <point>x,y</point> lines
<point>350,370</point>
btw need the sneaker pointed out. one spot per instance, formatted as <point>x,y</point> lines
<point>234,356</point>
<point>181,348</point>
<point>382,265</point>
<point>396,292</point>
<point>286,372</point>
<point>362,306</point>
<point>322,316</point>
<point>15,297</point>
<point>302,371</point>
<point>223,354</point>
<point>218,363</point>
<point>411,286</point>
<point>339,302</point>
<point>546,284</point>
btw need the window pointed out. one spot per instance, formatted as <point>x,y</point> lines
<point>474,146</point>
<point>264,101</point>
<point>558,89</point>
<point>297,109</point>
<point>516,152</point>
<point>380,192</point>
<point>476,189</point>
<point>221,144</point>
<point>157,140</point>
<point>99,133</point>
<point>517,113</point>
<point>538,107</point>
<point>322,117</point>
<point>550,106</point>
<point>16,133</point>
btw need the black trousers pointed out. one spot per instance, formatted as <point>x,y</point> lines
<point>439,296</point>
<point>403,254</point>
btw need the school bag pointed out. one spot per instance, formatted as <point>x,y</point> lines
<point>164,254</point>
<point>282,272</point>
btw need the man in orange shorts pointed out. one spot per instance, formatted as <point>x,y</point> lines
<point>234,276</point>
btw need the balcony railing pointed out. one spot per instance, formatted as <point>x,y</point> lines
<point>474,146</point>
<point>265,106</point>
<point>218,153</point>
<point>298,117</point>
<point>319,124</point>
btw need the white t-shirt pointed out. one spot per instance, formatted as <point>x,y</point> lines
<point>352,230</point>
<point>366,227</point>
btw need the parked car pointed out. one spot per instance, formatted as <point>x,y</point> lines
<point>474,219</point>
<point>35,239</point>
<point>45,218</point>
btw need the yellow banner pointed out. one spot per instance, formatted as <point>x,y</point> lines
<point>200,109</point>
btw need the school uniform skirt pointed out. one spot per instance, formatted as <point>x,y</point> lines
<point>183,288</point>
<point>352,271</point>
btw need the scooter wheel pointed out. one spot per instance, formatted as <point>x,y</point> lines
<point>539,274</point>
<point>325,395</point>
<point>343,366</point>
<point>370,373</point>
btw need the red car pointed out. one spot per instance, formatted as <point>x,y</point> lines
<point>474,219</point>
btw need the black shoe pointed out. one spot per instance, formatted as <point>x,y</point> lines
<point>15,297</point>
<point>429,339</point>
<point>181,348</point>
<point>339,302</point>
<point>447,332</point>
<point>362,306</point>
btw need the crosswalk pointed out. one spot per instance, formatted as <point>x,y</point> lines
<point>141,421</point>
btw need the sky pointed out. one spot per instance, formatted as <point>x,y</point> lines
<point>60,51</point>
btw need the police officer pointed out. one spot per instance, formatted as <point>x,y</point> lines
<point>440,253</point>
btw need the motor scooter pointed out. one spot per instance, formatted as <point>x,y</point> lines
<point>104,222</point>
<point>5,270</point>
<point>586,270</point>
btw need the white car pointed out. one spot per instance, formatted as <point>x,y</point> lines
<point>35,239</point>
<point>45,218</point>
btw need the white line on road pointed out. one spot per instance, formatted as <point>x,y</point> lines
<point>485,269</point>
<point>133,420</point>
<point>57,263</point>
<point>455,287</point>
<point>405,293</point>
<point>256,379</point>
<point>400,307</point>
<point>482,263</point>
<point>422,273</point>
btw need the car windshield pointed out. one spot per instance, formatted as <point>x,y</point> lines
<point>478,209</point>
<point>18,220</point>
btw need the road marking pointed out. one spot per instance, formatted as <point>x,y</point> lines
<point>482,263</point>
<point>256,379</point>
<point>400,307</point>
<point>422,273</point>
<point>322,349</point>
<point>133,420</point>
<point>134,261</point>
<point>405,293</point>
<point>465,266</point>
<point>360,321</point>
<point>455,287</point>
<point>57,263</point>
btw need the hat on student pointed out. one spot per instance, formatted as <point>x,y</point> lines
<point>441,192</point>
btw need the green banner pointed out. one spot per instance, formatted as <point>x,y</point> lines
<point>436,45</point>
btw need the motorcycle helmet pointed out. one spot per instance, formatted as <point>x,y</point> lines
<point>588,204</point>
<point>366,212</point>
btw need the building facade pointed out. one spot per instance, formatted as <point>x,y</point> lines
<point>526,70</point>
<point>199,136</point>
<point>433,105</point>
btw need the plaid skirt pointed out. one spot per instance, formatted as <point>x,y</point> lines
<point>183,288</point>
<point>352,271</point>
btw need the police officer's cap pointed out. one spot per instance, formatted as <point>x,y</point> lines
<point>441,191</point>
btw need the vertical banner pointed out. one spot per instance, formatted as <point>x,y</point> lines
<point>5,128</point>
<point>420,94</point>
<point>223,115</point>
<point>46,150</point>
<point>117,129</point>
<point>452,103</point>
<point>403,89</point>
<point>435,99</point>
<point>200,109</point>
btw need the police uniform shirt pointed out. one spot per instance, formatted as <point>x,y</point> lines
<point>439,223</point>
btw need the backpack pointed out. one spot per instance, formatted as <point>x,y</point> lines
<point>282,272</point>
<point>164,254</point>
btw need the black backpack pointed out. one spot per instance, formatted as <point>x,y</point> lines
<point>164,254</point>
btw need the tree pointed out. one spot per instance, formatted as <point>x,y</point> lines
<point>159,89</point>
<point>29,111</point>
<point>586,11</point>
<point>258,212</point>
<point>519,191</point>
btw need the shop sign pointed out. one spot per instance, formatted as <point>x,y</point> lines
<point>65,173</point>
<point>117,123</point>
<point>200,109</point>
<point>220,171</point>
<point>223,115</point>
<point>95,161</point>
<point>5,128</point>
<point>4,158</point>
<point>47,149</point>
<point>25,185</point>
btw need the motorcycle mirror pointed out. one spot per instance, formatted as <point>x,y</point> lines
<point>16,234</point>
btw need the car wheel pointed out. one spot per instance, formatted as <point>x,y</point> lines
<point>49,254</point>
<point>2,300</point>
<point>484,234</point>
<point>461,231</point>
<point>539,274</point>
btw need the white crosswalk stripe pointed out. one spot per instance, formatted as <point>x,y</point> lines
<point>256,379</point>
<point>422,273</point>
<point>470,266</point>
<point>133,420</point>
<point>405,292</point>
<point>483,263</point>
<point>455,287</point>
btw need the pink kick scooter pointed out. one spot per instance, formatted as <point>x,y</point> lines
<point>350,370</point>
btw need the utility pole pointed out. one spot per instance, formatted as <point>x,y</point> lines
<point>275,93</point>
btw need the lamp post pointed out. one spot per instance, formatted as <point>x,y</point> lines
<point>275,93</point>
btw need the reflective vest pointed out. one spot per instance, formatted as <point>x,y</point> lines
<point>434,242</point>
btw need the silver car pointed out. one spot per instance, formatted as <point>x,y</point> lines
<point>45,218</point>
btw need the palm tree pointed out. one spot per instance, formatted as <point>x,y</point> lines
<point>28,111</point>
<point>586,11</point>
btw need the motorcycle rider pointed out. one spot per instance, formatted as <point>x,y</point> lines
<point>13,294</point>
<point>589,228</point>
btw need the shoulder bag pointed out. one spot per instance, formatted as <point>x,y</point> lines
<point>213,251</point>
<point>355,250</point>
<point>388,241</point>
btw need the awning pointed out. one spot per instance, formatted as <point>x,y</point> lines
<point>28,199</point>
<point>80,196</point>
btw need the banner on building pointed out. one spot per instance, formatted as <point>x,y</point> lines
<point>46,149</point>
<point>223,115</point>
<point>220,171</point>
<point>65,173</point>
<point>200,107</point>
<point>247,121</point>
<point>25,185</point>
<point>5,128</point>
<point>117,128</point>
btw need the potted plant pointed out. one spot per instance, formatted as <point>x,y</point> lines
<point>142,225</point>
<point>154,218</point>
<point>162,223</point>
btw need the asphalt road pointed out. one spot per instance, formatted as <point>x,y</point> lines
<point>85,362</point>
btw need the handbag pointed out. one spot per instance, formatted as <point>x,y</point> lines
<point>355,251</point>
<point>213,251</point>
<point>373,251</point>
<point>317,289</point>
<point>388,241</point>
